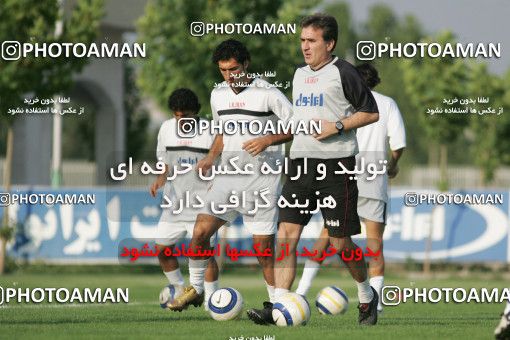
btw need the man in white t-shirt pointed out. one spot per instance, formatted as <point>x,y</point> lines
<point>240,99</point>
<point>373,193</point>
<point>176,223</point>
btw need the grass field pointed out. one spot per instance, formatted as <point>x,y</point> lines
<point>142,317</point>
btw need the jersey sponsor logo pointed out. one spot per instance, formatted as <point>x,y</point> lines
<point>310,100</point>
<point>236,105</point>
<point>187,160</point>
<point>333,223</point>
<point>311,80</point>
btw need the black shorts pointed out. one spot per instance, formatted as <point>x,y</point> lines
<point>343,219</point>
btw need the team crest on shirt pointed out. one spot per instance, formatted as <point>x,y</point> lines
<point>310,100</point>
<point>187,160</point>
<point>333,223</point>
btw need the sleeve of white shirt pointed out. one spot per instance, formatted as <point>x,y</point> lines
<point>215,116</point>
<point>160,148</point>
<point>396,129</point>
<point>280,105</point>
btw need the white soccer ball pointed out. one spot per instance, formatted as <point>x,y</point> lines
<point>291,309</point>
<point>168,294</point>
<point>332,301</point>
<point>225,304</point>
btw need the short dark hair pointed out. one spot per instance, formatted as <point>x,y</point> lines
<point>369,75</point>
<point>326,23</point>
<point>184,100</point>
<point>231,49</point>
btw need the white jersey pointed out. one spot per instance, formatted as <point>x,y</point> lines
<point>257,102</point>
<point>333,92</point>
<point>177,151</point>
<point>372,141</point>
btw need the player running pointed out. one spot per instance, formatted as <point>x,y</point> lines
<point>329,89</point>
<point>240,99</point>
<point>372,196</point>
<point>174,150</point>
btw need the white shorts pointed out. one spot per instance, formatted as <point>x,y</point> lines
<point>372,209</point>
<point>168,233</point>
<point>261,221</point>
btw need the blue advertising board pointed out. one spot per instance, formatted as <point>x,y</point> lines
<point>97,232</point>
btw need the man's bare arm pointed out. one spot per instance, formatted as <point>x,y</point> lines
<point>357,120</point>
<point>393,167</point>
<point>207,162</point>
<point>159,182</point>
<point>257,145</point>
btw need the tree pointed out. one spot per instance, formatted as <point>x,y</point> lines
<point>346,33</point>
<point>137,137</point>
<point>488,130</point>
<point>178,59</point>
<point>34,22</point>
<point>504,142</point>
<point>428,81</point>
<point>383,26</point>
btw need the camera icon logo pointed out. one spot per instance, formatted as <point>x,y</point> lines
<point>366,50</point>
<point>411,199</point>
<point>197,28</point>
<point>187,127</point>
<point>5,199</point>
<point>11,50</point>
<point>391,295</point>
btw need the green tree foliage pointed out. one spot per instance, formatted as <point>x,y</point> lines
<point>28,21</point>
<point>383,26</point>
<point>137,124</point>
<point>427,82</point>
<point>488,151</point>
<point>430,80</point>
<point>504,141</point>
<point>346,34</point>
<point>178,59</point>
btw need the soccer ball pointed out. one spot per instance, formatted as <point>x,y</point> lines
<point>225,304</point>
<point>291,309</point>
<point>168,294</point>
<point>332,300</point>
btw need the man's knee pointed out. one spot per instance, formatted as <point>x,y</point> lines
<point>289,232</point>
<point>205,227</point>
<point>341,243</point>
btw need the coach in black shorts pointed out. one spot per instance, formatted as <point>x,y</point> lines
<point>328,89</point>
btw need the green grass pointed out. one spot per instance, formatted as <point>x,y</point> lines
<point>142,318</point>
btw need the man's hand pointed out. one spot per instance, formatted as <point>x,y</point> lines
<point>392,170</point>
<point>328,129</point>
<point>257,145</point>
<point>392,166</point>
<point>205,164</point>
<point>158,183</point>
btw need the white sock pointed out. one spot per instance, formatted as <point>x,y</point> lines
<point>507,309</point>
<point>175,277</point>
<point>210,287</point>
<point>197,274</point>
<point>270,292</point>
<point>278,292</point>
<point>309,272</point>
<point>365,293</point>
<point>378,282</point>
